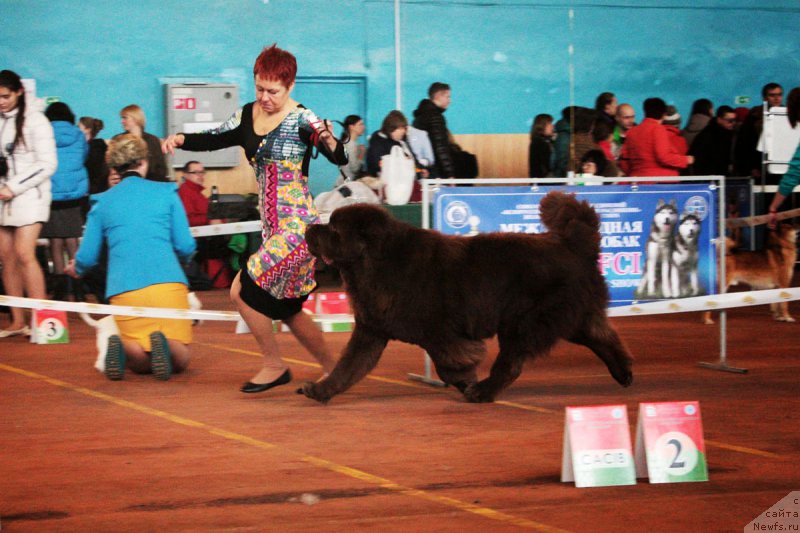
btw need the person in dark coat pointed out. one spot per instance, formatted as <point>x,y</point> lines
<point>96,160</point>
<point>133,121</point>
<point>540,150</point>
<point>429,116</point>
<point>605,105</point>
<point>561,145</point>
<point>712,148</point>
<point>747,158</point>
<point>392,133</point>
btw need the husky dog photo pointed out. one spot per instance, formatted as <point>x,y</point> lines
<point>671,255</point>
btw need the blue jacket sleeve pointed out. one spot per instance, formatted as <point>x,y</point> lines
<point>792,177</point>
<point>182,240</point>
<point>91,244</point>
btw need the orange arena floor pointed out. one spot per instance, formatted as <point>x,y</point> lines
<point>81,453</point>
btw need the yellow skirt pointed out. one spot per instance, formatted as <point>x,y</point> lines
<point>138,329</point>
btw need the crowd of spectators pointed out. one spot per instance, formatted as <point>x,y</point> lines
<point>711,142</point>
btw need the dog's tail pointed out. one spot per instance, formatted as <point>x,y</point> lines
<point>575,222</point>
<point>89,320</point>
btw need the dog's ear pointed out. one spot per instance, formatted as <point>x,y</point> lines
<point>372,222</point>
<point>674,203</point>
<point>659,203</point>
<point>362,225</point>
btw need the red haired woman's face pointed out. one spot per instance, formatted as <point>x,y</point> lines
<point>272,95</point>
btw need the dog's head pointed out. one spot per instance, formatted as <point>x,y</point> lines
<point>351,233</point>
<point>689,227</point>
<point>666,216</point>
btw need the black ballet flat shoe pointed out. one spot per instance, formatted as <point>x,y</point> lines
<point>251,387</point>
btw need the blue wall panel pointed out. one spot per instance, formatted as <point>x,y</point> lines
<point>506,60</point>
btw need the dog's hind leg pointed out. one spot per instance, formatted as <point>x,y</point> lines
<point>514,349</point>
<point>456,363</point>
<point>780,312</point>
<point>359,357</point>
<point>598,335</point>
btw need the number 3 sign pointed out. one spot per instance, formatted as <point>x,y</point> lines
<point>669,441</point>
<point>50,327</point>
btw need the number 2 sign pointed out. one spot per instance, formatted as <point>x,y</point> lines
<point>669,443</point>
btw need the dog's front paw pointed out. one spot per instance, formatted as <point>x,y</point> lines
<point>462,385</point>
<point>474,393</point>
<point>625,379</point>
<point>312,390</point>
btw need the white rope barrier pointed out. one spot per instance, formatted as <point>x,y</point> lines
<point>714,302</point>
<point>119,310</point>
<point>229,228</point>
<point>329,322</point>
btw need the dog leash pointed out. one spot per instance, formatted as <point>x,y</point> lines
<point>760,219</point>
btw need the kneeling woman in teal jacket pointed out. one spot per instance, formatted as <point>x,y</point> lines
<point>144,226</point>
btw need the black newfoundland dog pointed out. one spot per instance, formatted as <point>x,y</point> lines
<point>447,294</point>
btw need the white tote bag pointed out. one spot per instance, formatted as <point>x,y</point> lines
<point>398,175</point>
<point>348,193</point>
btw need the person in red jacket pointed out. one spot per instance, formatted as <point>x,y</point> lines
<point>191,193</point>
<point>648,150</point>
<point>672,122</point>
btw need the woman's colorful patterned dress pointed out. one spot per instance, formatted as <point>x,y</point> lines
<point>282,265</point>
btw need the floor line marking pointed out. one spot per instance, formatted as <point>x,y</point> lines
<point>713,443</point>
<point>743,449</point>
<point>310,459</point>
<point>316,365</point>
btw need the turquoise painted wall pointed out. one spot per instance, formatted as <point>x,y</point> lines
<point>506,60</point>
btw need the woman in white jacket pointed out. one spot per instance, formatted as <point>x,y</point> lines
<point>27,160</point>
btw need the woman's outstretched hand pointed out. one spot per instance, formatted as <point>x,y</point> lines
<point>172,142</point>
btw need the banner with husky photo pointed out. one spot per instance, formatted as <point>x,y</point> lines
<point>657,240</point>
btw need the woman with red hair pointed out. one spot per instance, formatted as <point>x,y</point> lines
<point>277,134</point>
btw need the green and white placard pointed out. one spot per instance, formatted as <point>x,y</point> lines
<point>669,443</point>
<point>597,447</point>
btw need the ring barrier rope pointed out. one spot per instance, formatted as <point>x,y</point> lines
<point>713,302</point>
<point>328,322</point>
<point>760,219</point>
<point>229,228</point>
<point>119,310</point>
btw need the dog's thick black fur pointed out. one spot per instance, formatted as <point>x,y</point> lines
<point>447,294</point>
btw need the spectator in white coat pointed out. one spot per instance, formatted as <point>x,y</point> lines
<point>28,161</point>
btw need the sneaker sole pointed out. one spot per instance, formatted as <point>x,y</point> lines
<point>160,356</point>
<point>115,359</point>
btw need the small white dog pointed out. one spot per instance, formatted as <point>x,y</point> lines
<point>106,326</point>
